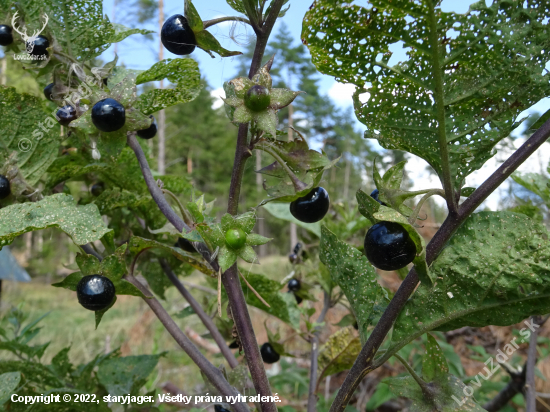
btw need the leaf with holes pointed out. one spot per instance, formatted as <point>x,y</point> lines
<point>183,73</point>
<point>82,223</point>
<point>494,271</point>
<point>9,382</point>
<point>350,269</point>
<point>473,85</point>
<point>26,150</point>
<point>339,352</point>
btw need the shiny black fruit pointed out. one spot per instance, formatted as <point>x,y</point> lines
<point>108,115</point>
<point>66,115</point>
<point>269,355</point>
<point>375,194</point>
<point>312,207</point>
<point>292,258</point>
<point>95,292</point>
<point>219,408</point>
<point>5,188</point>
<point>185,245</point>
<point>234,345</point>
<point>294,285</point>
<point>257,98</point>
<point>97,189</point>
<point>150,132</point>
<point>177,36</point>
<point>6,36</point>
<point>48,91</point>
<point>298,247</point>
<point>41,43</point>
<point>388,246</point>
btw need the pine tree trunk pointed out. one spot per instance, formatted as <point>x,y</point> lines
<point>3,78</point>
<point>346,180</point>
<point>190,162</point>
<point>161,121</point>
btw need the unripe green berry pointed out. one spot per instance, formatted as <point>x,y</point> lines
<point>235,238</point>
<point>257,98</point>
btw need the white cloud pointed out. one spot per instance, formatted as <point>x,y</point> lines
<point>342,93</point>
<point>217,94</point>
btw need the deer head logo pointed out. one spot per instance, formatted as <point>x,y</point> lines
<point>29,40</point>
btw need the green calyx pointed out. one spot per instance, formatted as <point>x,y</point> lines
<point>235,238</point>
<point>257,98</point>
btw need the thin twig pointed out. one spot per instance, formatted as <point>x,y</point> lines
<point>363,364</point>
<point>530,390</point>
<point>203,316</point>
<point>515,386</point>
<point>254,290</point>
<point>91,251</point>
<point>184,212</point>
<point>212,22</point>
<point>213,374</point>
<point>312,396</point>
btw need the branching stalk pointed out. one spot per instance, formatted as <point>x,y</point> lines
<point>312,396</point>
<point>298,184</point>
<point>203,316</point>
<point>364,362</point>
<point>184,212</point>
<point>213,374</point>
<point>440,106</point>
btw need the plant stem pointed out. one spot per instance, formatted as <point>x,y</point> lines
<point>515,386</point>
<point>90,251</point>
<point>440,107</point>
<point>230,278</point>
<point>423,385</point>
<point>212,22</point>
<point>530,390</point>
<point>213,374</point>
<point>312,396</point>
<point>203,316</point>
<point>298,184</point>
<point>363,364</point>
<point>162,203</point>
<point>184,212</point>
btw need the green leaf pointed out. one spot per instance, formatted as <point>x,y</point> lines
<point>192,16</point>
<point>339,352</point>
<point>155,277</point>
<point>434,364</point>
<point>207,42</point>
<point>236,5</point>
<point>183,73</point>
<point>448,389</point>
<point>121,32</point>
<point>490,75</point>
<point>226,257</point>
<point>123,376</point>
<point>116,198</point>
<point>254,239</point>
<point>29,140</point>
<point>283,305</point>
<point>82,223</point>
<point>182,314</point>
<point>494,271</point>
<point>137,244</point>
<point>535,182</point>
<point>281,211</point>
<point>357,278</point>
<point>9,382</point>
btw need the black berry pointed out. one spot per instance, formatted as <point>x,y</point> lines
<point>257,98</point>
<point>39,46</point>
<point>6,36</point>
<point>5,188</point>
<point>388,246</point>
<point>185,245</point>
<point>66,115</point>
<point>108,115</point>
<point>294,285</point>
<point>312,207</point>
<point>375,194</point>
<point>95,292</point>
<point>234,345</point>
<point>298,298</point>
<point>97,189</point>
<point>293,258</point>
<point>297,248</point>
<point>177,36</point>
<point>48,91</point>
<point>150,132</point>
<point>219,408</point>
<point>269,355</point>
<point>355,325</point>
